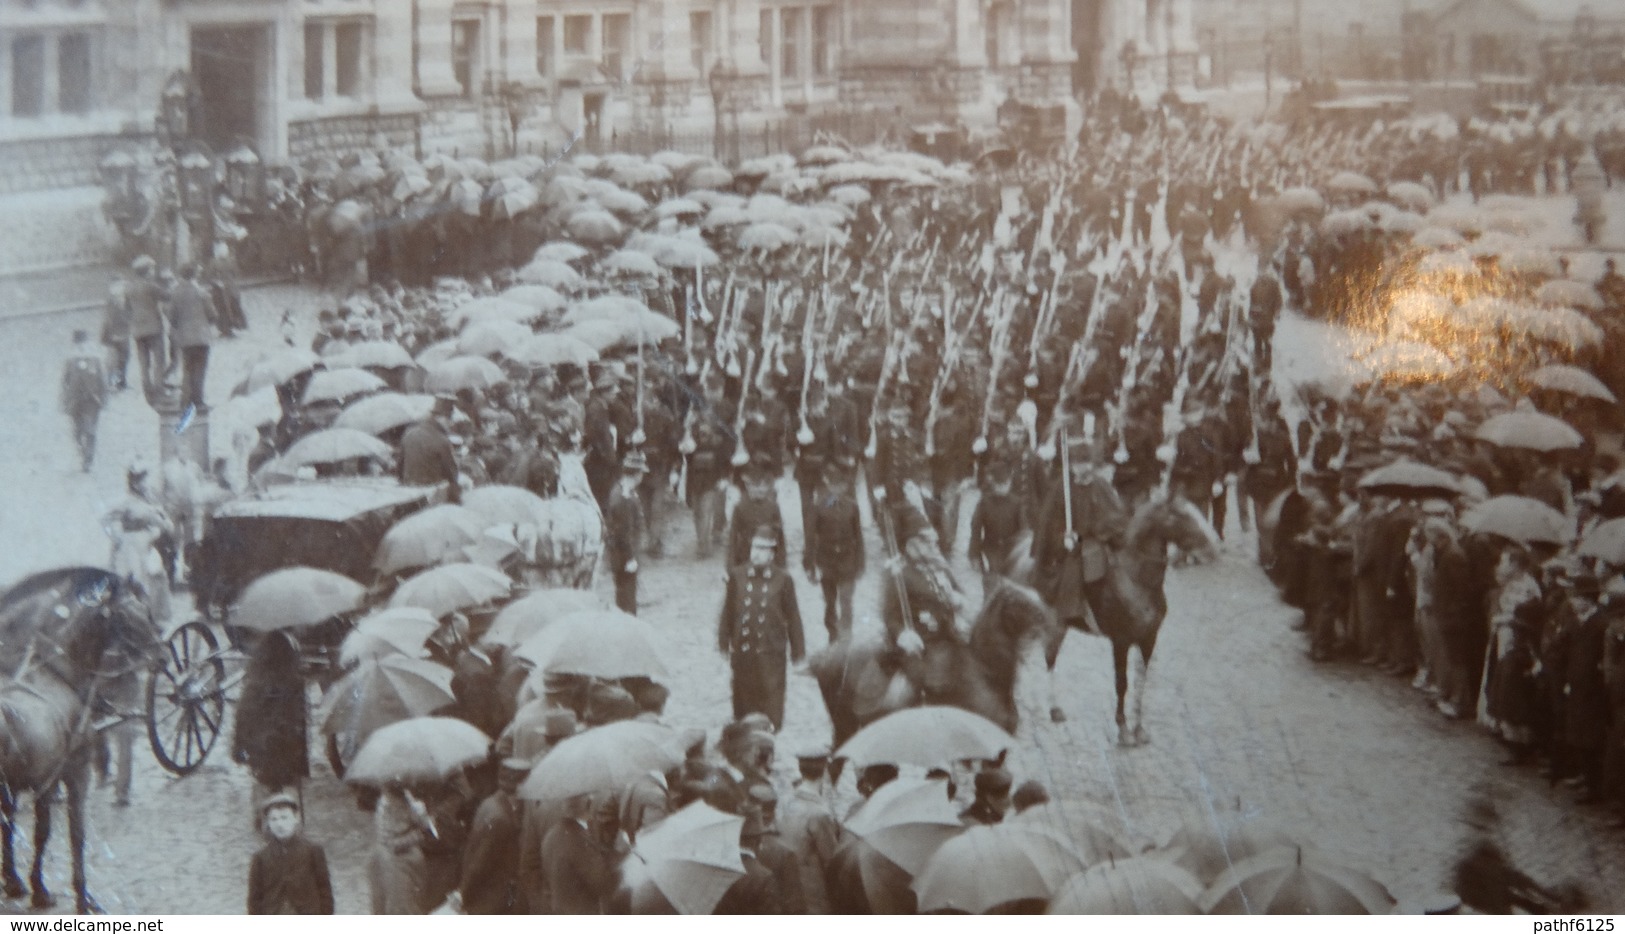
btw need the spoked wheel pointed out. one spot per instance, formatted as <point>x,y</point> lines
<point>186,699</point>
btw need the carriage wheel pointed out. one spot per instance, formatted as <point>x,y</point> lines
<point>186,699</point>
<point>335,756</point>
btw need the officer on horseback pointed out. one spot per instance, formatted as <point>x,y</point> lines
<point>922,606</point>
<point>1082,525</point>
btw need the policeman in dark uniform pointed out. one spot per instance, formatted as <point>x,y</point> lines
<point>760,620</point>
<point>624,523</point>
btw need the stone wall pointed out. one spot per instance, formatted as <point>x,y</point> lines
<point>56,162</point>
<point>57,229</point>
<point>341,136</point>
<point>458,127</point>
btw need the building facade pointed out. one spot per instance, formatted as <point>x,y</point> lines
<point>301,78</point>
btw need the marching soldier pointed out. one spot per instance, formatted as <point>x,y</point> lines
<point>835,555</point>
<point>995,525</point>
<point>760,621</point>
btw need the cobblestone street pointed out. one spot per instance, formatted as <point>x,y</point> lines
<point>1354,761</point>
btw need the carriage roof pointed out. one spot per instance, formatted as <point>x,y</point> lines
<point>325,501</point>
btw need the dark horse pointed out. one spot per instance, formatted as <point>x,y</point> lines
<point>62,634</point>
<point>980,674</point>
<point>1133,603</point>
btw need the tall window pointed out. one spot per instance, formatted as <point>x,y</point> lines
<point>315,59</point>
<point>577,31</point>
<point>823,41</point>
<point>617,43</point>
<point>544,46</point>
<point>465,50</point>
<point>790,42</point>
<point>347,59</point>
<point>765,36</point>
<point>700,37</point>
<point>73,79</point>
<point>28,76</point>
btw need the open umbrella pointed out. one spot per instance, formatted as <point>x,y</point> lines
<point>906,820</point>
<point>498,504</point>
<point>631,263</point>
<point>1142,886</point>
<point>1531,431</point>
<point>383,690</point>
<point>1571,380</point>
<point>1438,238</point>
<point>1089,830</point>
<point>1212,839</point>
<point>451,587</point>
<point>723,216</point>
<point>594,226</point>
<point>540,299</point>
<point>824,155</point>
<point>520,620</point>
<point>437,353</point>
<point>691,858</point>
<point>429,537</point>
<point>494,308</point>
<point>602,643</point>
<point>600,335</point>
<point>626,204</point>
<point>1569,293</point>
<point>679,207</point>
<point>850,195</point>
<point>1520,519</point>
<point>989,866</point>
<point>294,597</point>
<point>1411,196</point>
<point>485,338</point>
<point>423,749</point>
<point>339,385</point>
<point>1286,881</point>
<point>1564,327</point>
<point>1447,263</point>
<point>383,355</point>
<point>1409,479</point>
<point>280,367</point>
<point>1351,183</point>
<point>604,758</point>
<point>1301,201</point>
<point>393,630</point>
<point>463,373</point>
<point>561,251</point>
<point>1606,542</point>
<point>682,252</point>
<point>551,350</point>
<point>927,737</point>
<point>708,176</point>
<point>333,446</point>
<point>766,236</point>
<point>604,307</point>
<point>384,412</point>
<point>551,273</point>
<point>1531,262</point>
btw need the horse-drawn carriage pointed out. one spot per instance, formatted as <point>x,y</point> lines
<point>329,526</point>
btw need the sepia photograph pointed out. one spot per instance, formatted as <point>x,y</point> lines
<point>755,457</point>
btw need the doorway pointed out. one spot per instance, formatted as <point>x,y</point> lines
<point>231,65</point>
<point>1087,26</point>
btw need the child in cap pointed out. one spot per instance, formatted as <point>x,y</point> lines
<point>289,874</point>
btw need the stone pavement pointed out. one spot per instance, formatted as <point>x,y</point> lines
<point>1357,763</point>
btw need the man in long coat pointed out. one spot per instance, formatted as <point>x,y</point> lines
<point>490,884</point>
<point>426,453</point>
<point>760,620</point>
<point>624,530</point>
<point>145,298</point>
<point>192,313</point>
